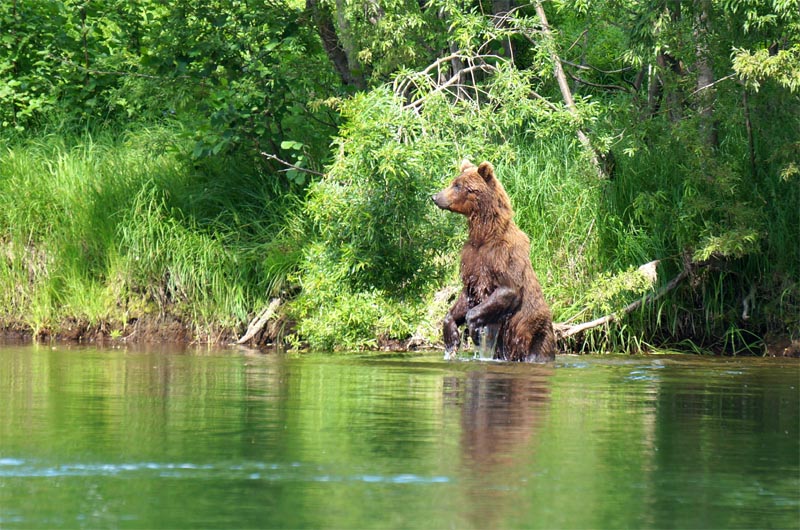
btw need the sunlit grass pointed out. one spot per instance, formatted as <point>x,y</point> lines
<point>107,227</point>
<point>90,223</point>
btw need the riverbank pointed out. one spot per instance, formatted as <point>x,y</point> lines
<point>169,329</point>
<point>122,235</point>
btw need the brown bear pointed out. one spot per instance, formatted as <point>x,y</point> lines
<point>501,298</point>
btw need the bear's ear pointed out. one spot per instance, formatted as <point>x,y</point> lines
<point>466,164</point>
<point>486,170</point>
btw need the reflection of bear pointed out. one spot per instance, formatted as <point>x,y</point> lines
<point>500,294</point>
<point>503,410</point>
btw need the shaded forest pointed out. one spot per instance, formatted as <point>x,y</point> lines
<point>176,170</point>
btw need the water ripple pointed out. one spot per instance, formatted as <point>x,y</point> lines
<point>15,468</point>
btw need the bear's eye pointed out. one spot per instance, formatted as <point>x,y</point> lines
<point>457,186</point>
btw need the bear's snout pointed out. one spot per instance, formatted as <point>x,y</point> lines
<point>440,200</point>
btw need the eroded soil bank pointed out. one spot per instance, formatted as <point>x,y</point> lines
<point>171,329</point>
<point>149,329</point>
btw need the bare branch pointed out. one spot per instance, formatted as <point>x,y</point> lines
<point>575,42</point>
<point>590,67</point>
<point>596,85</point>
<point>290,165</point>
<point>453,81</point>
<point>546,101</point>
<point>721,79</point>
<point>564,330</point>
<point>424,80</point>
<point>258,323</point>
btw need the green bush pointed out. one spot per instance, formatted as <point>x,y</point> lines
<point>380,242</point>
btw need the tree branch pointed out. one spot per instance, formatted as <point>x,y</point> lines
<point>475,62</point>
<point>258,323</point>
<point>596,85</point>
<point>290,165</point>
<point>453,81</point>
<point>565,91</point>
<point>590,67</point>
<point>709,85</point>
<point>564,330</point>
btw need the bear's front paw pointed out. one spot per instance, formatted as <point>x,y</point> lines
<point>474,319</point>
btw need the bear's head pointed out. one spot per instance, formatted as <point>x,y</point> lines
<point>472,190</point>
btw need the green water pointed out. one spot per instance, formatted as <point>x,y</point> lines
<point>101,438</point>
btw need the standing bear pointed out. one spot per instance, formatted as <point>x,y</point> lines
<point>501,299</point>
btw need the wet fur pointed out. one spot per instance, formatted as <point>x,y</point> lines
<point>500,290</point>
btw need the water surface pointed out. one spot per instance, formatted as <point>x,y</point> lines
<point>222,439</point>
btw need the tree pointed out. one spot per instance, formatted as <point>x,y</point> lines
<point>337,42</point>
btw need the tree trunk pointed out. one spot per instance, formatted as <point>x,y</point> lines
<point>705,76</point>
<point>345,35</point>
<point>663,93</point>
<point>749,128</point>
<point>500,9</point>
<point>345,64</point>
<point>566,93</point>
<point>670,66</point>
<point>457,64</point>
<point>654,90</point>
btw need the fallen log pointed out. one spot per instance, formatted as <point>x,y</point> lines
<point>564,330</point>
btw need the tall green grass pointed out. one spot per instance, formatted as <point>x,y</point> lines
<point>588,236</point>
<point>564,208</point>
<point>114,225</point>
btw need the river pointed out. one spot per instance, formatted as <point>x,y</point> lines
<point>143,437</point>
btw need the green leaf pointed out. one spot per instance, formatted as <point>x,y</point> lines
<point>291,145</point>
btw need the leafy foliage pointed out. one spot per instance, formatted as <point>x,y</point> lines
<point>221,159</point>
<point>236,76</point>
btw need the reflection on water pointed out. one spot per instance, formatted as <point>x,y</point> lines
<point>13,468</point>
<point>501,419</point>
<point>157,439</point>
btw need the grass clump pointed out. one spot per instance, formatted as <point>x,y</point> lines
<point>108,227</point>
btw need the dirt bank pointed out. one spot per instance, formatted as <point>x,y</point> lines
<point>171,329</point>
<point>148,329</point>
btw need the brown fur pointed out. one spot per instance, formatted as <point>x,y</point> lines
<point>501,293</point>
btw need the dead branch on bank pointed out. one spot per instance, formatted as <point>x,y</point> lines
<point>258,322</point>
<point>564,330</point>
